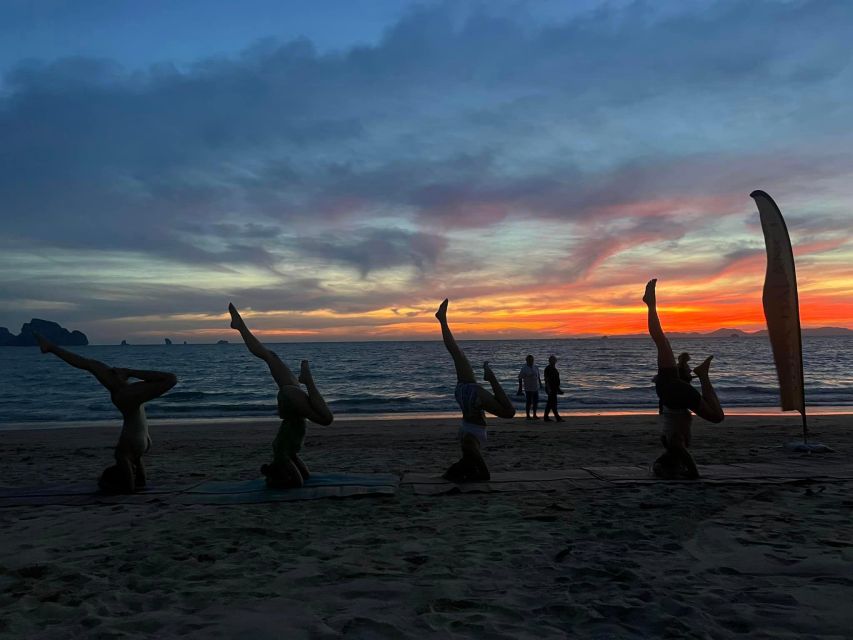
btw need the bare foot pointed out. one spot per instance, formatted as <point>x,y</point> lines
<point>702,369</point>
<point>441,314</point>
<point>649,296</point>
<point>236,319</point>
<point>44,344</point>
<point>305,376</point>
<point>488,374</point>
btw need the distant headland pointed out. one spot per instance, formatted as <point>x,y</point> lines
<point>51,330</point>
<point>738,333</point>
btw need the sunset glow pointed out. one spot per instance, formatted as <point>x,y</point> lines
<point>537,167</point>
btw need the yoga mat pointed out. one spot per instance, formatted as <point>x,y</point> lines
<point>608,476</point>
<point>745,473</point>
<point>508,481</point>
<point>319,485</point>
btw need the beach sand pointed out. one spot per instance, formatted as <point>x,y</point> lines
<point>654,560</point>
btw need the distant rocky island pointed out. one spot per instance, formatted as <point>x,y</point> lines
<point>50,330</point>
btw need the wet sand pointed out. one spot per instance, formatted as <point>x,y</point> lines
<point>656,560</point>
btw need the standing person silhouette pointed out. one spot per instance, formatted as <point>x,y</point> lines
<point>128,473</point>
<point>552,388</point>
<point>678,398</point>
<point>287,469</point>
<point>474,402</point>
<point>531,380</point>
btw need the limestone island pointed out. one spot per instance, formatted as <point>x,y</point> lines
<point>50,330</point>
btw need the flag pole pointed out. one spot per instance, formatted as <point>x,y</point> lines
<point>781,253</point>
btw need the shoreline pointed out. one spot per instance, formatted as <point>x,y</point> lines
<point>834,410</point>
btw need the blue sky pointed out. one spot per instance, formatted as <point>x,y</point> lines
<point>336,167</point>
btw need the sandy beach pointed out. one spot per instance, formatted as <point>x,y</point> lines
<point>654,560</point>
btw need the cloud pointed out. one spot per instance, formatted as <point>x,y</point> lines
<point>621,127</point>
<point>375,249</point>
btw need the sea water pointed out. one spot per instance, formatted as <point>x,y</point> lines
<point>406,377</point>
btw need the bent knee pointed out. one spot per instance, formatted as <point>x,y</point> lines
<point>715,417</point>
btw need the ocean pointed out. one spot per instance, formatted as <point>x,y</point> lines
<point>218,381</point>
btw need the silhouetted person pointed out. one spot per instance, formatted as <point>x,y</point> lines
<point>530,379</point>
<point>287,469</point>
<point>552,388</point>
<point>474,402</point>
<point>128,473</point>
<point>678,399</point>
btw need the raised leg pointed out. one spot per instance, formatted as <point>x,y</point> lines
<point>104,374</point>
<point>322,413</point>
<point>710,409</point>
<point>497,403</point>
<point>665,355</point>
<point>280,372</point>
<point>464,371</point>
<point>151,385</point>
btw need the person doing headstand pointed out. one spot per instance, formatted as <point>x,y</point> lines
<point>678,398</point>
<point>127,475</point>
<point>474,402</point>
<point>287,469</point>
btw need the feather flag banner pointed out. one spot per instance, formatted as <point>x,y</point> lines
<point>781,305</point>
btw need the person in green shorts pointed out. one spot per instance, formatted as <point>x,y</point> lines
<point>287,470</point>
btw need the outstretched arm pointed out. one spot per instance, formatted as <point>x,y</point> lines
<point>497,403</point>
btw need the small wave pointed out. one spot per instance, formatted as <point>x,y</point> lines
<point>181,396</point>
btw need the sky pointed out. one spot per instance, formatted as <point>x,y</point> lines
<point>337,168</point>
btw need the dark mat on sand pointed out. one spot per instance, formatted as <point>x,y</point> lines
<point>319,485</point>
<point>593,477</point>
<point>506,482</point>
